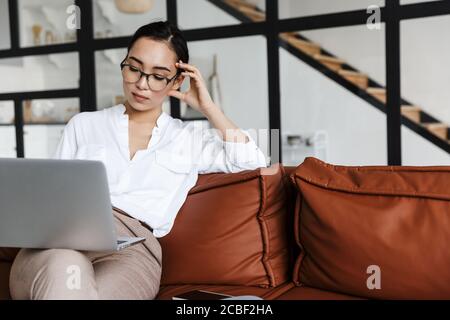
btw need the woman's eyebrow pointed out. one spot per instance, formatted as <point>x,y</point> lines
<point>137,60</point>
<point>155,67</point>
<point>161,68</point>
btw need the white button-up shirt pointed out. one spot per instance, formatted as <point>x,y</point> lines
<point>154,184</point>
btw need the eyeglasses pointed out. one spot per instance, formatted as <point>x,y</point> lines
<point>156,82</point>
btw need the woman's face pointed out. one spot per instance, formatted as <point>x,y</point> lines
<point>154,57</point>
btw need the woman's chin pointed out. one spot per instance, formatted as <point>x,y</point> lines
<point>139,106</point>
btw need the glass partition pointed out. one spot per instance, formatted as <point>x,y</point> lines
<point>5,34</point>
<point>328,108</point>
<point>194,14</point>
<point>44,22</point>
<point>117,18</point>
<point>38,73</point>
<point>303,8</point>
<point>425,82</point>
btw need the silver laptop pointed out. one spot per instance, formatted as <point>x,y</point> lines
<point>57,204</point>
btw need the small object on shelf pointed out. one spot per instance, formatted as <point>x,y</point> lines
<point>70,36</point>
<point>27,111</point>
<point>134,6</point>
<point>49,37</point>
<point>293,140</point>
<point>37,29</point>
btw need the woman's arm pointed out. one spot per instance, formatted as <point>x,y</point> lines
<point>199,99</point>
<point>67,145</point>
<point>228,130</point>
<point>236,150</point>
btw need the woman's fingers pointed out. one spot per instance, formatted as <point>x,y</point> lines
<point>188,67</point>
<point>190,74</point>
<point>176,94</point>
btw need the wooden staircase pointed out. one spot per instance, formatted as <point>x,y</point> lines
<point>346,72</point>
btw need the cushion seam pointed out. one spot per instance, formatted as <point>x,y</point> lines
<point>264,232</point>
<point>399,193</point>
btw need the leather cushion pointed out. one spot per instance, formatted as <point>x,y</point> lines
<point>350,218</point>
<point>231,230</point>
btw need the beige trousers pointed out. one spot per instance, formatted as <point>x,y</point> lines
<point>132,273</point>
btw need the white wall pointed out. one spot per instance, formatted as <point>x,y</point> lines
<point>301,8</point>
<point>242,70</point>
<point>312,102</point>
<point>4,25</point>
<point>360,47</point>
<point>49,14</point>
<point>188,17</point>
<point>16,66</point>
<point>34,73</point>
<point>425,52</point>
<point>424,57</point>
<point>108,76</point>
<point>417,151</point>
<point>241,66</point>
<point>107,17</point>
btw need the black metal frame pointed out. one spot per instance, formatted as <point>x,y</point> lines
<point>393,94</point>
<point>86,46</point>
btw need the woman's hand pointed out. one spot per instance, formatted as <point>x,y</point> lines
<point>197,96</point>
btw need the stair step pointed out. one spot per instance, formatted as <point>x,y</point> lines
<point>379,93</point>
<point>291,33</point>
<point>411,112</point>
<point>254,14</point>
<point>438,129</point>
<point>332,63</point>
<point>302,45</point>
<point>357,78</point>
<point>361,80</point>
<point>248,9</point>
<point>239,4</point>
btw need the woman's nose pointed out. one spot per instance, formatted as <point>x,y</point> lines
<point>142,83</point>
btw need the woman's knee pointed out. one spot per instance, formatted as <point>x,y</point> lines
<point>51,274</point>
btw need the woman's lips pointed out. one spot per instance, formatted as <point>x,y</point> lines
<point>139,98</point>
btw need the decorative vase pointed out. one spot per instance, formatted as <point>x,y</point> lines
<point>37,29</point>
<point>134,6</point>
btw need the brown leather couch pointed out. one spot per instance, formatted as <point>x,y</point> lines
<point>311,232</point>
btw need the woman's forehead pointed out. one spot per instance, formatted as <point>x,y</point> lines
<point>153,53</point>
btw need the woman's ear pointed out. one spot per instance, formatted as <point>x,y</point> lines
<point>178,82</point>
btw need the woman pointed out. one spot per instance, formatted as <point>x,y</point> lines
<point>152,161</point>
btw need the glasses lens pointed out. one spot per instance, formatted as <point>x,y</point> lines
<point>130,74</point>
<point>156,83</point>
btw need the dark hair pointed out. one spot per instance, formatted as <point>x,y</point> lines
<point>163,31</point>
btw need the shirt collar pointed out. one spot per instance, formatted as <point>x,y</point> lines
<point>161,122</point>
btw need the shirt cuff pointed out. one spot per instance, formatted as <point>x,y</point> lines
<point>241,152</point>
